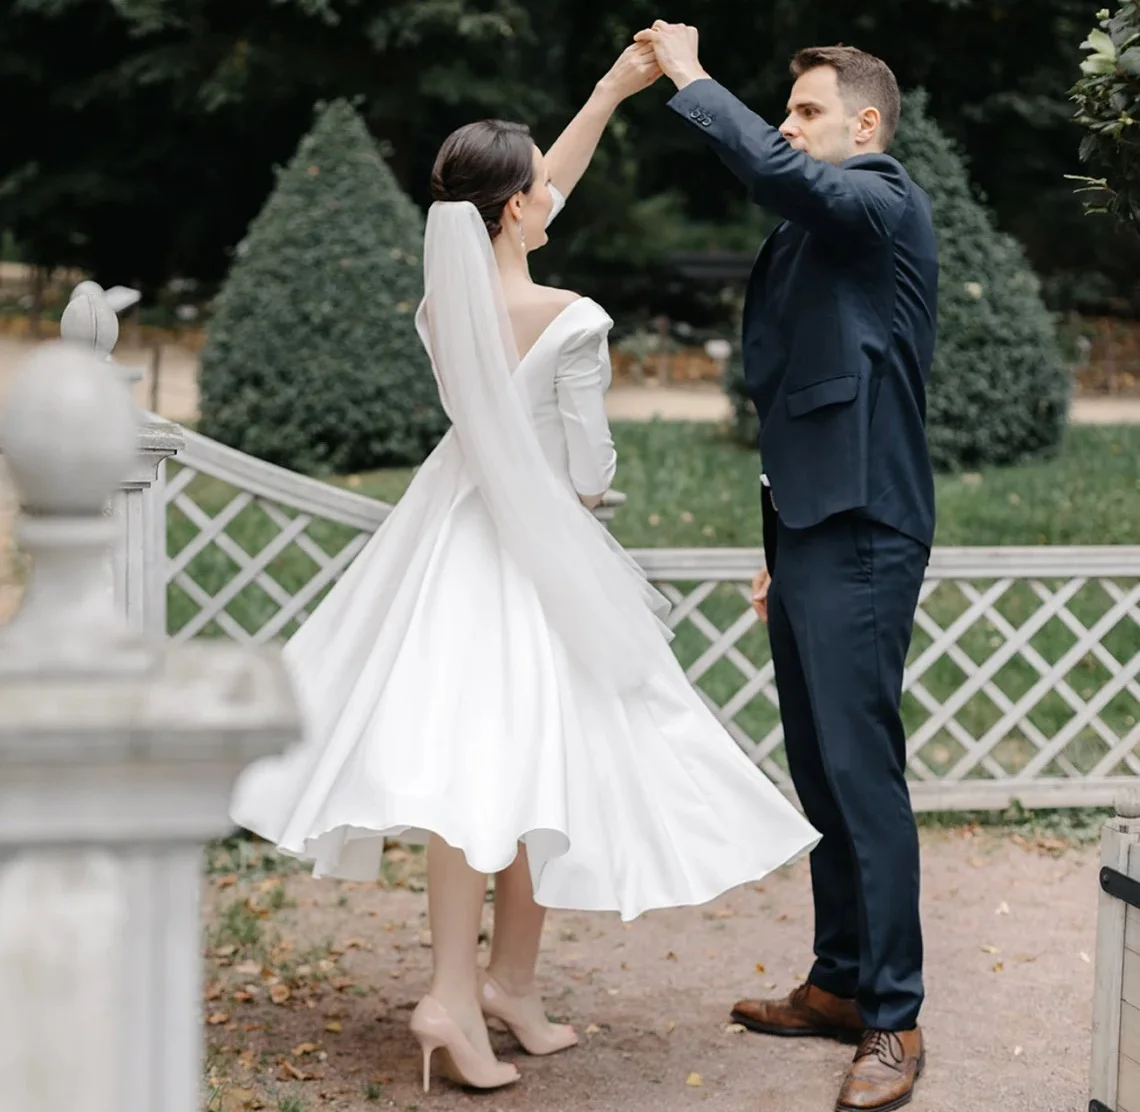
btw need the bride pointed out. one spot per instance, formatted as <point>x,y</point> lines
<point>491,676</point>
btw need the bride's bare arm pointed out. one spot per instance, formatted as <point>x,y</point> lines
<point>568,157</point>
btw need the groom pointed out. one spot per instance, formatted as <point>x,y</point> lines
<point>839,328</point>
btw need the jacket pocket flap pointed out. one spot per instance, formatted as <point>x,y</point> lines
<point>831,391</point>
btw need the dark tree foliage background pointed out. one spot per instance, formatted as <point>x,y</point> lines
<point>141,135</point>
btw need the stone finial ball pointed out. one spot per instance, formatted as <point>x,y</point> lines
<point>68,430</point>
<point>89,319</point>
<point>1127,803</point>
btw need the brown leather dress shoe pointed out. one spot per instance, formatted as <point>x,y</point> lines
<point>808,1010</point>
<point>884,1071</point>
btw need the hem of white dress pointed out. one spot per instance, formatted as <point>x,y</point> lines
<point>697,898</point>
<point>419,834</point>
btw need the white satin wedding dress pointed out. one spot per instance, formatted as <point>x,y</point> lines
<point>492,667</point>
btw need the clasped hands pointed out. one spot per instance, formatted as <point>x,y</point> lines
<point>665,48</point>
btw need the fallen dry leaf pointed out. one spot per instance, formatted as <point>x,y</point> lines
<point>990,950</point>
<point>248,968</point>
<point>670,956</point>
<point>225,951</point>
<point>279,994</point>
<point>305,1048</point>
<point>235,1100</point>
<point>734,1029</point>
<point>218,1018</point>
<point>334,1027</point>
<point>227,881</point>
<point>694,1080</point>
<point>760,967</point>
<point>593,1029</point>
<point>299,1075</point>
<point>998,966</point>
<point>243,997</point>
<point>215,990</point>
<point>670,1027</point>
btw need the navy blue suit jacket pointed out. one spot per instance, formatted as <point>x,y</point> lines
<point>839,322</point>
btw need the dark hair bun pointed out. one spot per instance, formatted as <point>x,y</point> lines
<point>486,163</point>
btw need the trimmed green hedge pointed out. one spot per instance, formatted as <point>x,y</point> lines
<point>312,359</point>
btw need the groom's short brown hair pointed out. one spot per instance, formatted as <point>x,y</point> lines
<point>864,81</point>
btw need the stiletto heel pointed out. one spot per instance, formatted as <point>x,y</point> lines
<point>537,1037</point>
<point>434,1030</point>
<point>429,1048</point>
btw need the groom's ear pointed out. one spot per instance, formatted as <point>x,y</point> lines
<point>869,126</point>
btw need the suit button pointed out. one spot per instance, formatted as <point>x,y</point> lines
<point>706,120</point>
<point>695,114</point>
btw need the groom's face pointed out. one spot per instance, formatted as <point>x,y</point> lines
<point>818,122</point>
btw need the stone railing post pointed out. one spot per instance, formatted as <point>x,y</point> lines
<point>118,753</point>
<point>138,560</point>
<point>1114,1080</point>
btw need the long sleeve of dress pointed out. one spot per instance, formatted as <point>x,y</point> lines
<point>583,376</point>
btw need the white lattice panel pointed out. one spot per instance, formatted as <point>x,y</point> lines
<point>1023,681</point>
<point>253,547</point>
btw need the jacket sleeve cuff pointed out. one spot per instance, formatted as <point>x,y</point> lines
<point>686,102</point>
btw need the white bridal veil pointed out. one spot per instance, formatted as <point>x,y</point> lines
<point>592,593</point>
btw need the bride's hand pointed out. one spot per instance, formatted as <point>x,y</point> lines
<point>635,69</point>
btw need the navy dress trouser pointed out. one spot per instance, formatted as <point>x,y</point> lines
<point>841,614</point>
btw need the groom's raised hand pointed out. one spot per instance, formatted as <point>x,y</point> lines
<point>676,47</point>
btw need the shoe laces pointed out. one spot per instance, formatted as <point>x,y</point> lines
<point>884,1045</point>
<point>800,992</point>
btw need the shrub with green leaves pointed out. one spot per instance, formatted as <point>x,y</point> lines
<point>1108,108</point>
<point>312,359</point>
<point>999,390</point>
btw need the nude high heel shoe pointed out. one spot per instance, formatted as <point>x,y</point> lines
<point>435,1030</point>
<point>537,1036</point>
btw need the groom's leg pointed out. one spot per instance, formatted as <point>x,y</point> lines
<point>850,592</point>
<point>834,890</point>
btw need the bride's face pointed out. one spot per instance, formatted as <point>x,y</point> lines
<point>530,211</point>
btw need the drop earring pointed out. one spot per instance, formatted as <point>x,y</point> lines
<point>522,236</point>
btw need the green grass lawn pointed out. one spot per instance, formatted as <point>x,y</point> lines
<point>687,487</point>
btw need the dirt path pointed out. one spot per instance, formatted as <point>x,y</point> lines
<point>1010,930</point>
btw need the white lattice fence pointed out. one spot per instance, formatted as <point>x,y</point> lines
<point>1023,681</point>
<point>253,547</point>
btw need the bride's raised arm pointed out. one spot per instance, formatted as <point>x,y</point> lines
<point>635,69</point>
